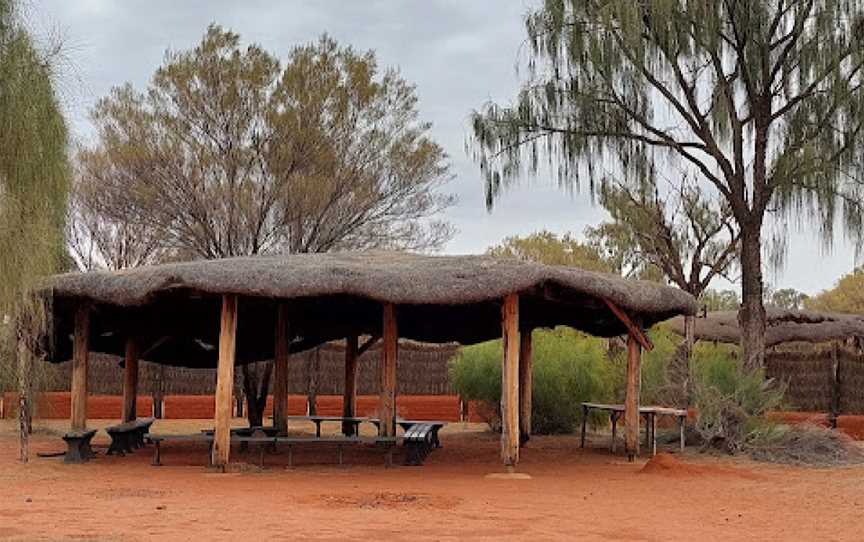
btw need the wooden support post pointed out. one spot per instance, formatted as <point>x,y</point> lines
<point>225,382</point>
<point>281,354</point>
<point>631,400</point>
<point>389,354</point>
<point>349,393</point>
<point>130,380</point>
<point>835,386</point>
<point>80,355</point>
<point>526,380</point>
<point>510,382</point>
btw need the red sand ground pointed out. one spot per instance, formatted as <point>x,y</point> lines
<point>573,494</point>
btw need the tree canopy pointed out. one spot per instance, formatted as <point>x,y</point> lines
<point>846,296</point>
<point>226,153</point>
<point>764,100</point>
<point>34,177</point>
<point>550,248</point>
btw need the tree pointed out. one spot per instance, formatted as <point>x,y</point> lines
<point>547,247</point>
<point>722,300</point>
<point>33,191</point>
<point>763,99</point>
<point>846,296</point>
<point>688,238</point>
<point>787,298</point>
<point>227,154</point>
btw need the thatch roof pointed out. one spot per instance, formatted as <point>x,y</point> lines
<point>782,326</point>
<point>439,298</point>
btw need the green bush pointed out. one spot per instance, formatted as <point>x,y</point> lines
<point>730,401</point>
<point>569,368</point>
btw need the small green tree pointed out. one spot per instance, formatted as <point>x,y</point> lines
<point>34,177</point>
<point>549,248</point>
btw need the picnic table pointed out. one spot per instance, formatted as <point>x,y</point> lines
<point>318,420</point>
<point>650,414</point>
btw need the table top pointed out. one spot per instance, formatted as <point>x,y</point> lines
<point>647,409</point>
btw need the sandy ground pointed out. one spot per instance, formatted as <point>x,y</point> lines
<point>572,494</point>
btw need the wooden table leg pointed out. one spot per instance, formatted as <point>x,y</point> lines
<point>653,435</point>
<point>614,417</point>
<point>318,429</point>
<point>157,456</point>
<point>584,422</point>
<point>681,420</point>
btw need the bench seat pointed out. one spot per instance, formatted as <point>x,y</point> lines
<point>78,446</point>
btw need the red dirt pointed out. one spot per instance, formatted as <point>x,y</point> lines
<point>573,494</point>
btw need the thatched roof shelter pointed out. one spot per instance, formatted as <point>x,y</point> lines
<point>220,313</point>
<point>330,296</point>
<point>782,326</point>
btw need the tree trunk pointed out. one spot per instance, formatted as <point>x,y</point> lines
<point>24,389</point>
<point>751,316</point>
<point>679,366</point>
<point>256,384</point>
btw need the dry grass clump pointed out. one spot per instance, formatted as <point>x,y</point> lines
<point>803,445</point>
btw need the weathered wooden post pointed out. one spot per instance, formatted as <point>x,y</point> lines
<point>80,358</point>
<point>225,382</point>
<point>349,392</point>
<point>510,382</point>
<point>280,370</point>
<point>389,353</point>
<point>631,401</point>
<point>526,382</point>
<point>130,380</point>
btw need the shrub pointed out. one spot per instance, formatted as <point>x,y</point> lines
<point>805,444</point>
<point>569,368</point>
<point>730,400</point>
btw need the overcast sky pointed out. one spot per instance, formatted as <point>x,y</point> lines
<point>459,53</point>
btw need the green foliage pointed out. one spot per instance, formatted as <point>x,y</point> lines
<point>568,368</point>
<point>730,401</point>
<point>228,153</point>
<point>720,300</point>
<point>787,298</point>
<point>667,234</point>
<point>34,178</point>
<point>547,247</point>
<point>846,296</point>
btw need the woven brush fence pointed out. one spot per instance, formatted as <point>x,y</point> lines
<point>808,371</point>
<point>422,370</point>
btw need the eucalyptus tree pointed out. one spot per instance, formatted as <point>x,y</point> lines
<point>226,153</point>
<point>33,191</point>
<point>764,100</point>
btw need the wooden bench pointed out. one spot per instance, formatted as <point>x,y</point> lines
<point>143,427</point>
<point>158,439</point>
<point>388,443</point>
<point>418,443</point>
<point>128,436</point>
<point>124,438</point>
<point>436,426</point>
<point>353,422</point>
<point>78,446</point>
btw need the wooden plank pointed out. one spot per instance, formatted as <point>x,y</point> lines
<point>280,369</point>
<point>632,328</point>
<point>389,354</point>
<point>510,382</point>
<point>349,392</point>
<point>370,342</point>
<point>130,380</point>
<point>526,379</point>
<point>631,400</point>
<point>80,358</point>
<point>225,382</point>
